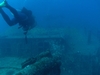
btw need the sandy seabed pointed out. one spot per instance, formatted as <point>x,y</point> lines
<point>10,65</point>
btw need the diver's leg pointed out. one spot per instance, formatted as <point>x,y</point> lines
<point>14,11</point>
<point>6,17</point>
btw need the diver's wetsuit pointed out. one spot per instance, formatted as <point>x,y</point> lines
<point>25,21</point>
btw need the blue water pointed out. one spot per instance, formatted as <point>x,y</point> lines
<point>63,12</point>
<point>81,18</point>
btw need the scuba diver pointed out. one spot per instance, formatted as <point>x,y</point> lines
<point>24,17</point>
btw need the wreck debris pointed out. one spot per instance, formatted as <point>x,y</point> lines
<point>43,64</point>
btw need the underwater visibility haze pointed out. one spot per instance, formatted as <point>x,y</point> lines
<point>66,32</point>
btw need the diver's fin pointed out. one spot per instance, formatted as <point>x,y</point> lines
<point>3,4</point>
